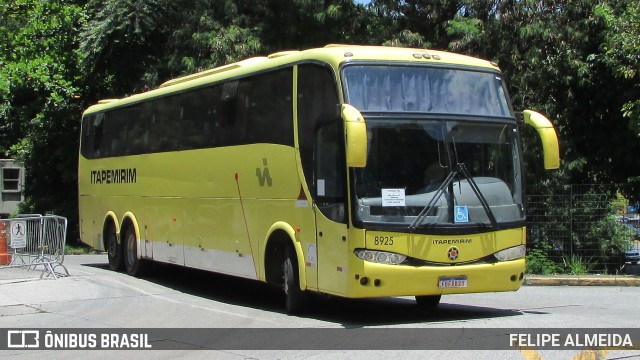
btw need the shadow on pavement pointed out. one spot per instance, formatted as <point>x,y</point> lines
<point>347,312</point>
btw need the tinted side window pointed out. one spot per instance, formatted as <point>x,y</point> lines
<point>317,102</point>
<point>138,135</point>
<point>330,175</point>
<point>97,130</point>
<point>164,125</point>
<point>231,124</point>
<point>115,134</point>
<point>86,138</point>
<point>195,121</point>
<point>271,108</point>
<point>256,109</point>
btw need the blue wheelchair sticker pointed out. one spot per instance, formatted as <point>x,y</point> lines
<point>461,214</point>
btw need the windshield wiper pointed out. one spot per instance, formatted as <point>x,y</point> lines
<point>462,169</point>
<point>476,190</point>
<point>427,209</point>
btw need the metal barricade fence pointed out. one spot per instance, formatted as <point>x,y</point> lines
<point>581,228</point>
<point>37,242</point>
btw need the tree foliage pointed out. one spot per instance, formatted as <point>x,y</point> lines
<point>38,99</point>
<point>576,61</point>
<point>622,53</point>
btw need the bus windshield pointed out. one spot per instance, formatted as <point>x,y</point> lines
<point>422,173</point>
<point>394,88</point>
<point>441,152</point>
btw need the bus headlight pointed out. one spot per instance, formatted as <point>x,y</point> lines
<point>513,253</point>
<point>381,257</point>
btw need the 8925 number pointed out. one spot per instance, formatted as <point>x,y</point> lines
<point>383,240</point>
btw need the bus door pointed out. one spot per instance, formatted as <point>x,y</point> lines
<point>330,207</point>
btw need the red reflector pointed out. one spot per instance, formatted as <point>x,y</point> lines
<point>302,196</point>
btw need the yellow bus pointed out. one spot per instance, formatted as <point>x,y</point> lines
<point>353,171</point>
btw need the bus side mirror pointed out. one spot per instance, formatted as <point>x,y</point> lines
<point>356,136</point>
<point>548,135</point>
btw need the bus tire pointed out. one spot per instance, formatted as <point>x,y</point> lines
<point>428,301</point>
<point>114,249</point>
<point>295,299</point>
<point>134,266</point>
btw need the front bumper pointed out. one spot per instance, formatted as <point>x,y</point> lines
<point>380,280</point>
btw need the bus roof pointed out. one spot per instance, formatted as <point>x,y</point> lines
<point>333,54</point>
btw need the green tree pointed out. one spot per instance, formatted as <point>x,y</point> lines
<point>574,61</point>
<point>552,55</point>
<point>299,24</point>
<point>622,53</point>
<point>420,23</point>
<point>134,45</point>
<point>210,34</point>
<point>121,40</point>
<point>39,105</point>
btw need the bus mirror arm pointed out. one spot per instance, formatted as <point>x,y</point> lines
<point>548,135</point>
<point>356,136</point>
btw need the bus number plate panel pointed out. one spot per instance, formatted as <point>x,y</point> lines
<point>452,282</point>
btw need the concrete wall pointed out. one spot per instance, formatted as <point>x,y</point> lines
<point>11,187</point>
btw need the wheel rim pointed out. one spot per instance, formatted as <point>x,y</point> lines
<point>131,249</point>
<point>287,274</point>
<point>113,245</point>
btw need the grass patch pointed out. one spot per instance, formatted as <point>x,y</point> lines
<point>576,265</point>
<point>78,249</point>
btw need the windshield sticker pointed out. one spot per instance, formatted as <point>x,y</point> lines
<point>393,197</point>
<point>462,214</point>
<point>320,186</point>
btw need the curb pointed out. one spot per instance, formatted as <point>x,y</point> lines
<point>594,280</point>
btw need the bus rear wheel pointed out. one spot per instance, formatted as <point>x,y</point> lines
<point>296,299</point>
<point>135,266</point>
<point>114,249</point>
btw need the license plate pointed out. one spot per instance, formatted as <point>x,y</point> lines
<point>452,282</point>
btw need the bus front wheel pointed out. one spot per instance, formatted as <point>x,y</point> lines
<point>295,298</point>
<point>114,249</point>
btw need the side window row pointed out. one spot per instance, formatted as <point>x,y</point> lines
<point>257,109</point>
